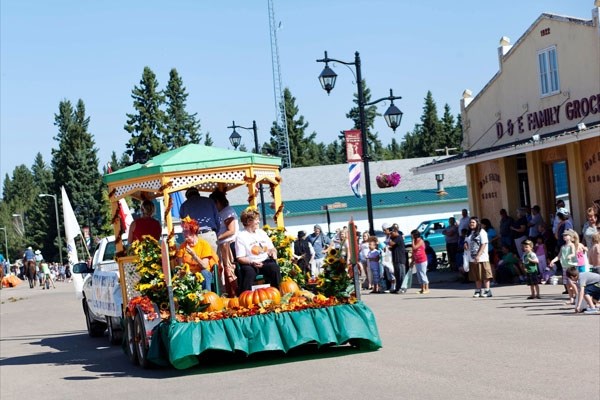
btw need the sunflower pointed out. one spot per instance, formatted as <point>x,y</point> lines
<point>332,252</point>
<point>330,260</point>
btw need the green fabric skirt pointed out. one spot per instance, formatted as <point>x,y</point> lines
<point>180,343</point>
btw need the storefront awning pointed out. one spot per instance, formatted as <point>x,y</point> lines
<point>534,143</point>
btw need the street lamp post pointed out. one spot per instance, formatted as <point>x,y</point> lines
<point>57,224</point>
<point>235,139</point>
<point>393,117</point>
<point>5,243</point>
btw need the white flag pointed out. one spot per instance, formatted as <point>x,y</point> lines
<point>72,230</point>
<point>125,215</point>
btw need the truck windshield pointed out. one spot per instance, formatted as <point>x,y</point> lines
<point>421,228</point>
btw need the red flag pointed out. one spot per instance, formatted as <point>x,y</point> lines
<point>354,150</point>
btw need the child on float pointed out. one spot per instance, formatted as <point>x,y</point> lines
<point>374,261</point>
<point>540,251</point>
<point>568,258</point>
<point>530,263</point>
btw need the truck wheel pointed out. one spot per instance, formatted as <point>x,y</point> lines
<point>141,345</point>
<point>130,341</point>
<point>115,334</point>
<point>95,328</point>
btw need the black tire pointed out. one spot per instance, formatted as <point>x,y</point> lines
<point>95,328</point>
<point>130,341</point>
<point>141,346</point>
<point>115,334</point>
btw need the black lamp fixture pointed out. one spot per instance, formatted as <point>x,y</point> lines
<point>393,117</point>
<point>235,139</point>
<point>327,77</point>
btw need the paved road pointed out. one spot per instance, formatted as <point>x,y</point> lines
<point>445,345</point>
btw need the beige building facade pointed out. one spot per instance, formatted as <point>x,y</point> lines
<point>532,135</point>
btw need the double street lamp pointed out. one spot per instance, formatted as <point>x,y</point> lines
<point>235,140</point>
<point>57,224</point>
<point>393,117</point>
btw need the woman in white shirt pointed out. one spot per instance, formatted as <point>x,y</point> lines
<point>255,252</point>
<point>480,270</point>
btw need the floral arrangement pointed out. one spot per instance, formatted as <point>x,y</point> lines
<point>187,287</point>
<point>335,279</point>
<point>388,180</point>
<point>289,303</point>
<point>283,243</point>
<point>145,304</point>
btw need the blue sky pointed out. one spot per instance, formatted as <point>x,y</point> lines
<point>96,51</point>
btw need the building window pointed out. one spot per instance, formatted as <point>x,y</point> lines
<point>548,68</point>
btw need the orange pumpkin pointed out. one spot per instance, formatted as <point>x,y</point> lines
<point>215,303</point>
<point>233,302</point>
<point>288,286</point>
<point>249,298</point>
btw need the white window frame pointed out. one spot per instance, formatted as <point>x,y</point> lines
<point>548,73</point>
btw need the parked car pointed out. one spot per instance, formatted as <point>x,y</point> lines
<point>432,232</point>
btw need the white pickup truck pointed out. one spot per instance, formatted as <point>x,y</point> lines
<point>102,299</point>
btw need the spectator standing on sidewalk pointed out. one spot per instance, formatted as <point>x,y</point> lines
<point>480,270</point>
<point>398,258</point>
<point>464,221</point>
<point>419,259</point>
<point>534,223</point>
<point>451,235</point>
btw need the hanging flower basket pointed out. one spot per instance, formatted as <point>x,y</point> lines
<point>388,180</point>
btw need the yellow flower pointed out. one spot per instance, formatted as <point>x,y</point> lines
<point>330,260</point>
<point>332,252</point>
<point>267,227</point>
<point>199,277</point>
<point>192,296</point>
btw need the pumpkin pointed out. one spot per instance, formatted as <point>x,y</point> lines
<point>249,298</point>
<point>233,302</point>
<point>215,303</point>
<point>288,286</point>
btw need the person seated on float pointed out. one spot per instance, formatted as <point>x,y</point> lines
<point>255,252</point>
<point>146,225</point>
<point>196,252</point>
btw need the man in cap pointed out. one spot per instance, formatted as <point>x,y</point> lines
<point>205,212</point>
<point>560,208</point>
<point>320,243</point>
<point>398,258</point>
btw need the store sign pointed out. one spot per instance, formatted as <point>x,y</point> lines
<point>572,110</point>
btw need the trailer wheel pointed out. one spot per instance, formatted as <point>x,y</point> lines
<point>130,341</point>
<point>141,344</point>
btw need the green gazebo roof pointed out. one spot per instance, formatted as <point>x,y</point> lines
<point>190,157</point>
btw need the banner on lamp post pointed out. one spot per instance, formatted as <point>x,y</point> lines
<point>354,150</point>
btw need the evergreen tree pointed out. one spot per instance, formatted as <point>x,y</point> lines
<point>375,146</point>
<point>42,215</point>
<point>75,165</point>
<point>298,141</point>
<point>430,127</point>
<point>181,127</point>
<point>208,140</point>
<point>393,150</point>
<point>334,153</point>
<point>147,125</point>
<point>20,192</point>
<point>243,147</point>
<point>451,132</point>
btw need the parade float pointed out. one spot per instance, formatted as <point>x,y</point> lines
<point>169,320</point>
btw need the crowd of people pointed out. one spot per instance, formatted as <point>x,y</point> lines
<point>42,273</point>
<point>526,249</point>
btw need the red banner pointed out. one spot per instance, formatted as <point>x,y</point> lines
<point>354,148</point>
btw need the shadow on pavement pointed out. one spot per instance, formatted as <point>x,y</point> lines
<point>97,356</point>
